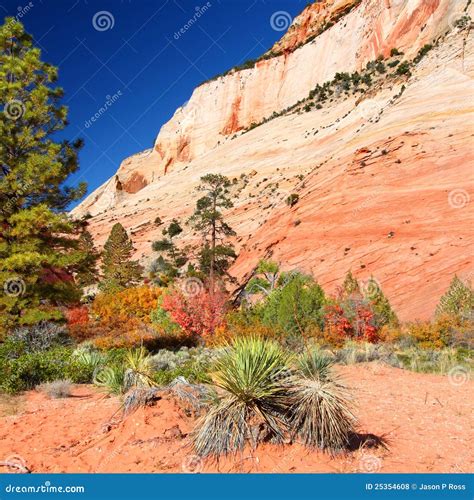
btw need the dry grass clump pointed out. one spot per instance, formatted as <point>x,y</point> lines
<point>57,389</point>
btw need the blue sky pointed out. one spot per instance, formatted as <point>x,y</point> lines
<point>131,51</point>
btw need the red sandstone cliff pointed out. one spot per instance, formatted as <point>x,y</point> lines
<point>387,180</point>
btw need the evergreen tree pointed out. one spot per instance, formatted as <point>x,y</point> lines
<point>166,267</point>
<point>384,314</point>
<point>457,301</point>
<point>87,273</point>
<point>350,286</point>
<point>215,255</point>
<point>118,269</point>
<point>39,251</point>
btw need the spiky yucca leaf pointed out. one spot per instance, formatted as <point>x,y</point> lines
<point>315,365</point>
<point>224,429</point>
<point>321,415</point>
<point>254,377</point>
<point>138,371</point>
<point>111,378</point>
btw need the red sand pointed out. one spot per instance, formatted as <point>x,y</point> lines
<point>426,420</point>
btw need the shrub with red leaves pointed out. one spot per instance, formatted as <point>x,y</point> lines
<point>77,316</point>
<point>350,319</point>
<point>198,314</point>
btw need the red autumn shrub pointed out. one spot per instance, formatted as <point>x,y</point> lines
<point>350,319</point>
<point>77,316</point>
<point>197,314</point>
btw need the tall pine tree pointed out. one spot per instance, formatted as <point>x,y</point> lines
<point>216,255</point>
<point>39,252</point>
<point>118,269</point>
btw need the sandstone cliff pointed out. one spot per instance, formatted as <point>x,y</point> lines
<point>384,178</point>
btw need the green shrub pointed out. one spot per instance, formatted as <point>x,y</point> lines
<point>422,52</point>
<point>162,320</point>
<point>138,371</point>
<point>27,370</point>
<point>296,306</point>
<point>111,379</point>
<point>292,200</point>
<point>193,372</point>
<point>403,68</point>
<point>264,395</point>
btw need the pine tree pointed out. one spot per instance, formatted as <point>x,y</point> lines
<point>457,301</point>
<point>215,255</point>
<point>118,269</point>
<point>384,314</point>
<point>87,273</point>
<point>166,267</point>
<point>39,251</point>
<point>350,286</point>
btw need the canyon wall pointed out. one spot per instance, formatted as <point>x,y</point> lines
<point>384,180</point>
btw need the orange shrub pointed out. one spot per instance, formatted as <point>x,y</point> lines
<point>131,334</point>
<point>225,334</point>
<point>136,303</point>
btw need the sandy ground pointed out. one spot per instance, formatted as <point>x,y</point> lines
<point>426,421</point>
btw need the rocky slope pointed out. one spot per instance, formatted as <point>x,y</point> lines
<point>384,176</point>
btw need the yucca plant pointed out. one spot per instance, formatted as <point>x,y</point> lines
<point>92,359</point>
<point>253,381</point>
<point>139,372</point>
<point>321,413</point>
<point>111,379</point>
